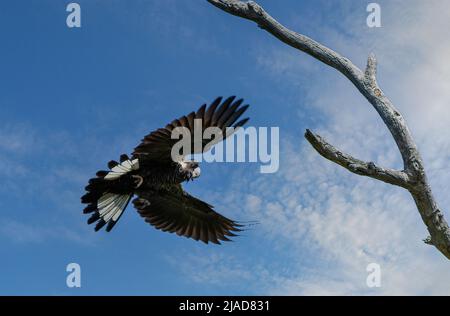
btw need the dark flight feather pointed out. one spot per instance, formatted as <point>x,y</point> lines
<point>157,145</point>
<point>178,212</point>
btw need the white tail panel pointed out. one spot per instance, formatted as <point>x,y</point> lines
<point>111,206</point>
<point>122,168</point>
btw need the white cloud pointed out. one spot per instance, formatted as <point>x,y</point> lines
<point>35,172</point>
<point>343,220</point>
<point>20,232</point>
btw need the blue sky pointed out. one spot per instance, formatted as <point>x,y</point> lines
<point>73,99</point>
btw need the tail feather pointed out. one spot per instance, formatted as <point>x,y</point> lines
<point>108,194</point>
<point>116,217</point>
<point>90,208</point>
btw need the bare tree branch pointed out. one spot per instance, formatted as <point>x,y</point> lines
<point>413,177</point>
<point>362,168</point>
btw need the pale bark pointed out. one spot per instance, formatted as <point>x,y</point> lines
<point>412,177</point>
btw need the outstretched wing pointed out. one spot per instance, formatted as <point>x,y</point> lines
<point>176,211</point>
<point>158,144</point>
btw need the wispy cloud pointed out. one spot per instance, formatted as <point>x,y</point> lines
<point>345,221</point>
<point>41,182</point>
<point>25,233</point>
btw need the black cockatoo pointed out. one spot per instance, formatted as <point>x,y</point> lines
<point>155,178</point>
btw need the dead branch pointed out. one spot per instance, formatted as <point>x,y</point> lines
<point>412,177</point>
